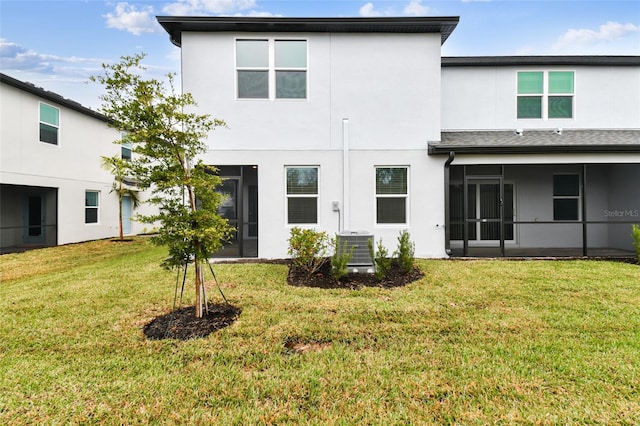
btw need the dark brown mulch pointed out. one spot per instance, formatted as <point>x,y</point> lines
<point>323,279</point>
<point>182,324</point>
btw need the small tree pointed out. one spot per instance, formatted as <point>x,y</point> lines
<point>167,139</point>
<point>119,169</point>
<point>405,252</point>
<point>341,257</point>
<point>381,259</point>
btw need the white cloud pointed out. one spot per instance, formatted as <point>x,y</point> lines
<point>129,18</point>
<point>415,8</point>
<point>17,58</point>
<point>412,8</point>
<point>368,11</point>
<point>582,38</point>
<point>207,7</point>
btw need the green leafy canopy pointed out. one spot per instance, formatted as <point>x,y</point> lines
<point>167,137</point>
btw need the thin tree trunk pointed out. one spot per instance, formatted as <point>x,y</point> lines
<point>120,216</point>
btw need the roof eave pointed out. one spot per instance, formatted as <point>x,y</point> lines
<point>438,149</point>
<point>52,97</point>
<point>176,25</point>
<point>571,60</point>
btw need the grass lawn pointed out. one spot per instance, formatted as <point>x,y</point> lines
<point>473,342</point>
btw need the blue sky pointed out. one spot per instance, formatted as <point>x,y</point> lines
<point>58,44</point>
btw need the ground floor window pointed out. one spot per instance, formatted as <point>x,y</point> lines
<point>302,195</point>
<point>566,197</point>
<point>391,195</point>
<point>91,206</point>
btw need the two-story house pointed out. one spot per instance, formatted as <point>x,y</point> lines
<point>358,124</point>
<point>53,189</point>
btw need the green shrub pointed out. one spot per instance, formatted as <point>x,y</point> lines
<point>340,259</point>
<point>405,252</point>
<point>381,260</point>
<point>635,236</point>
<point>308,249</point>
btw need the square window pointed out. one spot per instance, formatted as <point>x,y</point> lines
<point>561,82</point>
<point>302,195</point>
<point>291,84</point>
<point>560,106</point>
<point>545,95</point>
<point>291,54</point>
<point>530,83</point>
<point>566,185</point>
<point>529,106</point>
<point>271,69</point>
<point>391,210</point>
<point>252,53</point>
<point>253,84</point>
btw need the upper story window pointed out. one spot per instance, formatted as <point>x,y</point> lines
<point>49,124</point>
<point>545,95</point>
<point>125,147</point>
<point>302,195</point>
<point>271,69</point>
<point>392,195</point>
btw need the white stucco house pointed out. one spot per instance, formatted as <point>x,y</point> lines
<point>359,125</point>
<point>53,189</point>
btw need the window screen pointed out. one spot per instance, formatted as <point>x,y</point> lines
<point>391,195</point>
<point>302,195</point>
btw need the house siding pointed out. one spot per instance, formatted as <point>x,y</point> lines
<point>484,98</point>
<point>67,169</point>
<point>385,86</point>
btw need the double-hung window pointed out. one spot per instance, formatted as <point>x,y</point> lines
<point>391,195</point>
<point>566,197</point>
<point>545,95</point>
<point>271,69</point>
<point>125,147</point>
<point>302,195</point>
<point>91,206</point>
<point>49,124</point>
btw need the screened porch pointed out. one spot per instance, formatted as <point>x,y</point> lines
<point>542,210</point>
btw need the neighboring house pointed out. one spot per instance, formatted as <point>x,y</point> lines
<point>53,189</point>
<point>358,124</point>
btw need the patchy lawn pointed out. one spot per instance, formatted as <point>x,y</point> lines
<point>471,342</point>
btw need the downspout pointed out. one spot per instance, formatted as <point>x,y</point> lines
<point>447,227</point>
<point>345,174</point>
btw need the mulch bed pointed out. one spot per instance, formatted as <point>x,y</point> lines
<point>182,324</point>
<point>323,279</point>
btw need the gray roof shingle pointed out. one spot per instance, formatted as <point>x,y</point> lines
<point>537,141</point>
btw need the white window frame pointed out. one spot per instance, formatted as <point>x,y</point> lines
<point>288,196</point>
<point>57,127</point>
<point>567,197</point>
<point>545,95</point>
<point>125,146</point>
<point>271,69</point>
<point>405,196</point>
<point>97,207</point>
